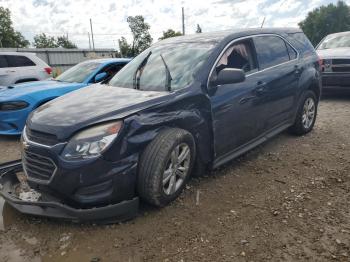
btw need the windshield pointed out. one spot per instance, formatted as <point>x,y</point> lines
<point>164,67</point>
<point>78,73</point>
<point>335,41</point>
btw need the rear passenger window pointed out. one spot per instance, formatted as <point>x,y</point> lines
<point>240,56</point>
<point>303,43</point>
<point>18,61</point>
<point>3,62</point>
<point>271,51</point>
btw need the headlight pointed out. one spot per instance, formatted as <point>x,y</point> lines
<point>13,105</point>
<point>91,142</point>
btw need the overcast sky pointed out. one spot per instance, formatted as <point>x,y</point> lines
<point>57,17</point>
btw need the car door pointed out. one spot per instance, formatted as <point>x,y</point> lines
<point>236,110</point>
<point>279,74</point>
<point>21,68</point>
<point>4,71</point>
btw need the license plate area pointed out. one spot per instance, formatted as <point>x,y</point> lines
<point>23,190</point>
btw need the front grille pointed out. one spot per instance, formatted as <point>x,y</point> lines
<point>38,167</point>
<point>341,61</point>
<point>41,138</point>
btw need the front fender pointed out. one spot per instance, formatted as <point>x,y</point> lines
<point>44,101</point>
<point>140,129</point>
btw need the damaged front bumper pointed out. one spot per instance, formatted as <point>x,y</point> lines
<point>49,206</point>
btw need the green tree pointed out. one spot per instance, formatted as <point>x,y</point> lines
<point>44,41</point>
<point>326,20</point>
<point>199,29</point>
<point>169,33</point>
<point>140,31</point>
<point>8,36</point>
<point>63,41</point>
<point>124,48</point>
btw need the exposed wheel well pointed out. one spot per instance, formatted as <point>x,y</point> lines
<point>315,88</point>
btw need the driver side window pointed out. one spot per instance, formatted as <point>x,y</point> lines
<point>110,70</point>
<point>240,55</point>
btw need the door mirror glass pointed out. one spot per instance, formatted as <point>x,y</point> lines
<point>101,76</point>
<point>229,76</point>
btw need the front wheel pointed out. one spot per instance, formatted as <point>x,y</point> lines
<point>306,114</point>
<point>165,166</point>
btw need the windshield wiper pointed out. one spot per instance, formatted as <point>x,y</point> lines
<point>168,75</point>
<point>136,78</point>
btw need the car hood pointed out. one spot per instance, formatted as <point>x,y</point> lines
<point>26,89</point>
<point>334,53</point>
<point>88,106</point>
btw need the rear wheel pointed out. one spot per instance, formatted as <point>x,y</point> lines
<point>306,115</point>
<point>165,166</point>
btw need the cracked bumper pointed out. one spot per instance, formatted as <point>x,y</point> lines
<point>49,206</point>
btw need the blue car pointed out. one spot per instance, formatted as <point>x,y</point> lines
<point>18,101</point>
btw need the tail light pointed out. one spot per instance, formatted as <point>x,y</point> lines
<point>48,70</point>
<point>321,64</point>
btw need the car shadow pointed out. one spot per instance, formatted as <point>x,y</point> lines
<point>228,168</point>
<point>336,95</point>
<point>7,138</point>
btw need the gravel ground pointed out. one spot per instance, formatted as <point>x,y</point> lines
<point>285,200</point>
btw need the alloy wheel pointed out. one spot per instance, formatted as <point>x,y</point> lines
<point>309,111</point>
<point>177,169</point>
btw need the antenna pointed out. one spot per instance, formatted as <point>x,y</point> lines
<point>262,24</point>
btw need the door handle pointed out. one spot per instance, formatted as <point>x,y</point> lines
<point>260,88</point>
<point>10,71</point>
<point>246,99</point>
<point>297,70</point>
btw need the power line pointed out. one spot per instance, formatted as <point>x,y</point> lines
<point>74,33</point>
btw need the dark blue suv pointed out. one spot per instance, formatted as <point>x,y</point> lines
<point>183,106</point>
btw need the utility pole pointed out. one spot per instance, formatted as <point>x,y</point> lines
<point>92,36</point>
<point>89,40</point>
<point>262,24</point>
<point>183,21</point>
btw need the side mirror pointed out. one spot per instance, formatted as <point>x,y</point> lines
<point>99,77</point>
<point>229,76</point>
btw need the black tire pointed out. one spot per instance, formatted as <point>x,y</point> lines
<point>154,161</point>
<point>298,127</point>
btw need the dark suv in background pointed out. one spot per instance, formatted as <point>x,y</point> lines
<point>185,105</point>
